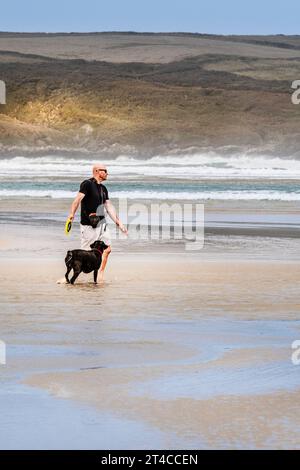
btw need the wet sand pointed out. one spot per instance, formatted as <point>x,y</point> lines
<point>172,351</point>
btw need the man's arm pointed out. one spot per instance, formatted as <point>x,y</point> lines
<point>75,205</point>
<point>113,215</point>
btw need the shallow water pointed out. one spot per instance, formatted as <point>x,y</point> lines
<point>31,419</point>
<point>185,354</point>
<point>175,349</point>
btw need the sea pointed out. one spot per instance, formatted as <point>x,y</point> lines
<point>198,177</point>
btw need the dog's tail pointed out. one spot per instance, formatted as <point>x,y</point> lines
<point>69,257</point>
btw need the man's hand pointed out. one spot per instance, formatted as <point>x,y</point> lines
<point>71,217</point>
<point>123,229</point>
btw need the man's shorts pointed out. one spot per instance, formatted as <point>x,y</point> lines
<point>89,235</point>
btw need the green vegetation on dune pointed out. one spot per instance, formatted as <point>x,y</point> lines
<point>204,100</point>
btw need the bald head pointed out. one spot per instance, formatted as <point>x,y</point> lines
<point>99,172</point>
<point>98,166</point>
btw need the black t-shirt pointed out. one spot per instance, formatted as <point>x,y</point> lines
<point>95,196</point>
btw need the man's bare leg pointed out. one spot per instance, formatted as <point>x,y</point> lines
<point>105,256</point>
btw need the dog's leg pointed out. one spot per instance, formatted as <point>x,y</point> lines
<point>69,268</point>
<point>95,276</point>
<point>75,276</point>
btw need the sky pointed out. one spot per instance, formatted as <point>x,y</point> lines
<point>200,16</point>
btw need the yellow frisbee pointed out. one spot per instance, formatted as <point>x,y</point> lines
<point>68,226</point>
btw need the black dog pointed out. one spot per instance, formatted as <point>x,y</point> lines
<point>84,261</point>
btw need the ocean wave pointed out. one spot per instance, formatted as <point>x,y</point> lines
<point>245,195</point>
<point>198,166</point>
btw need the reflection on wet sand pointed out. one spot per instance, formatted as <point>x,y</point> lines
<point>193,349</point>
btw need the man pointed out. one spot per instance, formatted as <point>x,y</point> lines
<point>93,197</point>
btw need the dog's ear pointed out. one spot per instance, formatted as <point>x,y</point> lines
<point>92,245</point>
<point>103,246</point>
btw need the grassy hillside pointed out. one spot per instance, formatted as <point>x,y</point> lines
<point>227,91</point>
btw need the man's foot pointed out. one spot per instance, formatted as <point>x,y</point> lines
<point>101,278</point>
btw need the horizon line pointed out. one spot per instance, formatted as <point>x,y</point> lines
<point>144,32</point>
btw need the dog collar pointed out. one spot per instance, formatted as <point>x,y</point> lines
<point>96,249</point>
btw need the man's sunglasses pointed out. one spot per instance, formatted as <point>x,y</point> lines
<point>101,169</point>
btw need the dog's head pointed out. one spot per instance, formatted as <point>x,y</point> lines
<point>98,245</point>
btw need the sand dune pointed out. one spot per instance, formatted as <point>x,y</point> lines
<point>149,48</point>
<point>153,92</point>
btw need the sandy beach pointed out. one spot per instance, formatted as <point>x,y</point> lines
<point>174,350</point>
<point>184,117</point>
